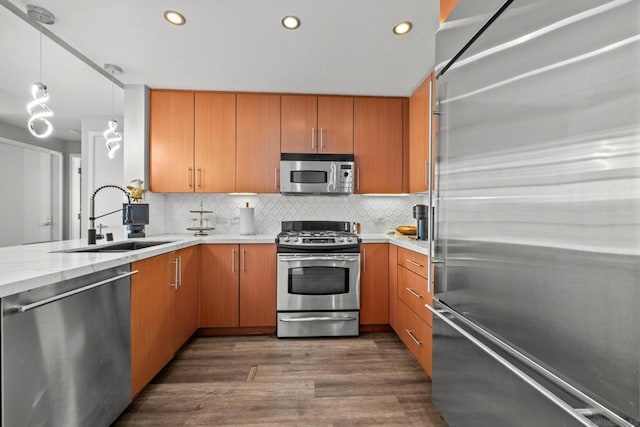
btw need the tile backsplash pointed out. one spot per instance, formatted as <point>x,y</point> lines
<point>169,213</point>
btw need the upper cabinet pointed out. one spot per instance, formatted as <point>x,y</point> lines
<point>317,124</point>
<point>171,141</point>
<point>215,142</point>
<point>419,132</point>
<point>192,141</point>
<point>378,144</point>
<point>258,143</point>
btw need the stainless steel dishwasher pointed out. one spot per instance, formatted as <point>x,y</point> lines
<point>66,357</point>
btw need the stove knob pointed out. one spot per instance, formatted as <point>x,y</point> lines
<point>294,238</point>
<point>286,238</point>
<point>340,239</point>
<point>349,239</point>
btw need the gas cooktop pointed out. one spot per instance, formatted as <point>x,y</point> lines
<point>314,236</point>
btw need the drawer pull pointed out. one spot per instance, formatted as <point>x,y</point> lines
<point>413,337</point>
<point>414,293</point>
<point>417,264</point>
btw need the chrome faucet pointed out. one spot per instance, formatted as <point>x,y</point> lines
<point>92,217</point>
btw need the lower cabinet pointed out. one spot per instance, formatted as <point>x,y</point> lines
<point>164,311</point>
<point>238,287</point>
<point>413,322</point>
<point>374,284</point>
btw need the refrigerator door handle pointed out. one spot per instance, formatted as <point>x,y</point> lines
<point>579,414</point>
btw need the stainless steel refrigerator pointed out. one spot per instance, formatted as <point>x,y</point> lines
<point>537,224</point>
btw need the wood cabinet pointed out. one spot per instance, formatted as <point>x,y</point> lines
<point>238,285</point>
<point>171,129</point>
<point>378,145</point>
<point>257,285</point>
<point>414,321</point>
<point>393,286</point>
<point>215,142</point>
<point>151,321</point>
<point>374,284</point>
<point>219,286</point>
<point>165,303</point>
<point>186,313</point>
<point>258,143</point>
<point>192,141</point>
<point>446,6</point>
<point>317,124</point>
<point>419,132</point>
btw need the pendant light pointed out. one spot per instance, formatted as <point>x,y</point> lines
<point>111,135</point>
<point>39,124</point>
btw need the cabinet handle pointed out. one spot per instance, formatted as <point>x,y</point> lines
<point>233,260</point>
<point>313,138</point>
<point>358,177</point>
<point>275,178</point>
<point>417,264</point>
<point>180,270</point>
<point>322,138</point>
<point>199,178</point>
<point>414,293</point>
<point>426,172</point>
<point>364,260</point>
<point>244,257</point>
<point>174,285</point>
<point>413,337</point>
<point>189,176</point>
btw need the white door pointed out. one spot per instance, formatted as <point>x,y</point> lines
<point>31,194</point>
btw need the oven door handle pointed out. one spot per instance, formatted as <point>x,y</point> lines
<point>318,319</point>
<point>318,258</point>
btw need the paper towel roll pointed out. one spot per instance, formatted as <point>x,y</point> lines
<point>247,225</point>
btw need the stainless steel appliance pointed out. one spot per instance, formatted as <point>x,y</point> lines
<point>537,232</point>
<point>66,352</point>
<point>330,174</point>
<point>318,285</point>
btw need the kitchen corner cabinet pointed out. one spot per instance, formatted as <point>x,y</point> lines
<point>419,131</point>
<point>164,311</point>
<point>258,143</point>
<point>378,144</point>
<point>171,128</point>
<point>374,284</point>
<point>317,124</point>
<point>192,139</point>
<point>238,285</point>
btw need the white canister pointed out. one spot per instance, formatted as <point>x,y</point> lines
<point>247,225</point>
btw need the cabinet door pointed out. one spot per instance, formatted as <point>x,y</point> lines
<point>186,316</point>
<point>258,143</point>
<point>393,286</point>
<point>374,284</point>
<point>419,128</point>
<point>215,142</point>
<point>258,285</point>
<point>335,124</point>
<point>152,296</point>
<point>219,286</point>
<point>377,144</point>
<point>171,141</point>
<point>416,335</point>
<point>299,127</point>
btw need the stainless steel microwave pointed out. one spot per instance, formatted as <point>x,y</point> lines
<point>330,174</point>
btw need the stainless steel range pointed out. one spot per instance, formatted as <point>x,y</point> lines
<point>318,279</point>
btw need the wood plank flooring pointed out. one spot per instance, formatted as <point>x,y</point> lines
<point>265,381</point>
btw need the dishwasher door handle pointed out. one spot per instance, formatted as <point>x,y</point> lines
<point>27,307</point>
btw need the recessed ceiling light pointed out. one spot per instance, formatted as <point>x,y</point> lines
<point>290,22</point>
<point>402,28</point>
<point>174,17</point>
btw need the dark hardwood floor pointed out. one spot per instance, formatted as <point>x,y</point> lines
<point>216,381</point>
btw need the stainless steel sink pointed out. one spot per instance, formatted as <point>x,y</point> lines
<point>119,247</point>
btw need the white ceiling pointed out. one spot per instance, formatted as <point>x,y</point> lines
<point>341,47</point>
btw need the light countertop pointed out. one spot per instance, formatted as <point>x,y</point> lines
<point>32,266</point>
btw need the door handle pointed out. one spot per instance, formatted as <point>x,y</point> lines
<point>233,260</point>
<point>318,319</point>
<point>313,138</point>
<point>244,258</point>
<point>418,342</point>
<point>275,178</point>
<point>189,176</point>
<point>199,178</point>
<point>414,293</point>
<point>321,138</point>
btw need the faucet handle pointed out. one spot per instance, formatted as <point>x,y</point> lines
<point>100,235</point>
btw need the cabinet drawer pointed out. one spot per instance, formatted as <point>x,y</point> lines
<point>416,335</point>
<point>413,261</point>
<point>412,290</point>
